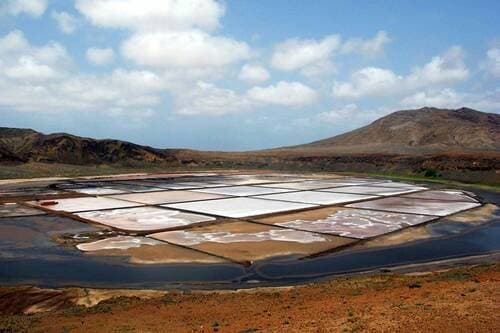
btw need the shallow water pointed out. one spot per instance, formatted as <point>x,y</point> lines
<point>29,256</point>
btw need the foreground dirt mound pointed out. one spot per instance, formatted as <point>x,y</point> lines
<point>458,300</point>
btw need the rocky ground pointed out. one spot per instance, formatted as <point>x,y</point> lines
<point>459,300</point>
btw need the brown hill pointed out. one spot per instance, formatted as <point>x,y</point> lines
<point>422,131</point>
<point>28,145</point>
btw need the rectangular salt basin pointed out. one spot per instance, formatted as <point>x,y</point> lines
<point>186,185</point>
<point>243,241</point>
<point>241,181</point>
<point>346,222</point>
<point>400,185</point>
<point>242,191</point>
<point>316,197</point>
<point>83,204</point>
<point>98,191</point>
<point>452,195</point>
<point>171,184</point>
<point>141,219</point>
<point>416,206</point>
<point>239,207</point>
<point>305,185</point>
<point>155,198</point>
<point>13,209</point>
<point>382,191</point>
<point>142,250</point>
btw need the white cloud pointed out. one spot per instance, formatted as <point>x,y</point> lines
<point>172,36</point>
<point>440,98</point>
<point>122,89</point>
<point>492,64</point>
<point>284,93</point>
<point>314,57</point>
<point>488,101</point>
<point>33,8</point>
<point>28,68</point>
<point>208,99</point>
<point>100,56</point>
<point>344,117</point>
<point>309,56</point>
<point>339,114</point>
<point>21,61</point>
<point>42,79</point>
<point>369,81</point>
<point>66,22</point>
<point>443,69</point>
<point>350,114</point>
<point>193,48</point>
<point>165,15</point>
<point>448,68</point>
<point>253,73</point>
<point>13,42</point>
<point>369,47</point>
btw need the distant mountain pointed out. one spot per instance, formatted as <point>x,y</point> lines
<point>422,131</point>
<point>461,144</point>
<point>29,145</point>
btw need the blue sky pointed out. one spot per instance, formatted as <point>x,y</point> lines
<point>239,75</point>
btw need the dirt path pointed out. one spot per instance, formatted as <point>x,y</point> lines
<point>459,300</point>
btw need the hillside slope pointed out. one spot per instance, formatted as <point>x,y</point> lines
<point>28,145</point>
<point>422,131</point>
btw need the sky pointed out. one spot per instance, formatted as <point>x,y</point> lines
<point>240,75</point>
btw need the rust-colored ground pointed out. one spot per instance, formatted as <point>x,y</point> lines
<point>459,300</point>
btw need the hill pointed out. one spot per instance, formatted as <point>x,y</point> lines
<point>461,144</point>
<point>422,131</point>
<point>31,146</point>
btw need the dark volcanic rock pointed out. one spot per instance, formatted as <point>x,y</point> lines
<point>28,145</point>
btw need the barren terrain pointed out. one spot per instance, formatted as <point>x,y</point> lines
<point>458,300</point>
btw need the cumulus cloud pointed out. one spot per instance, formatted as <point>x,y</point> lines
<point>171,35</point>
<point>28,68</point>
<point>99,56</point>
<point>66,22</point>
<point>309,56</point>
<point>440,98</point>
<point>193,48</point>
<point>21,61</point>
<point>338,114</point>
<point>492,64</point>
<point>449,98</point>
<point>284,93</point>
<point>448,68</point>
<point>369,47</point>
<point>442,69</point>
<point>253,74</point>
<point>165,15</point>
<point>350,113</point>
<point>369,81</point>
<point>33,8</point>
<point>42,79</point>
<point>208,99</point>
<point>95,93</point>
<point>314,57</point>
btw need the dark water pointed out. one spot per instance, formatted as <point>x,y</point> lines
<point>29,256</point>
